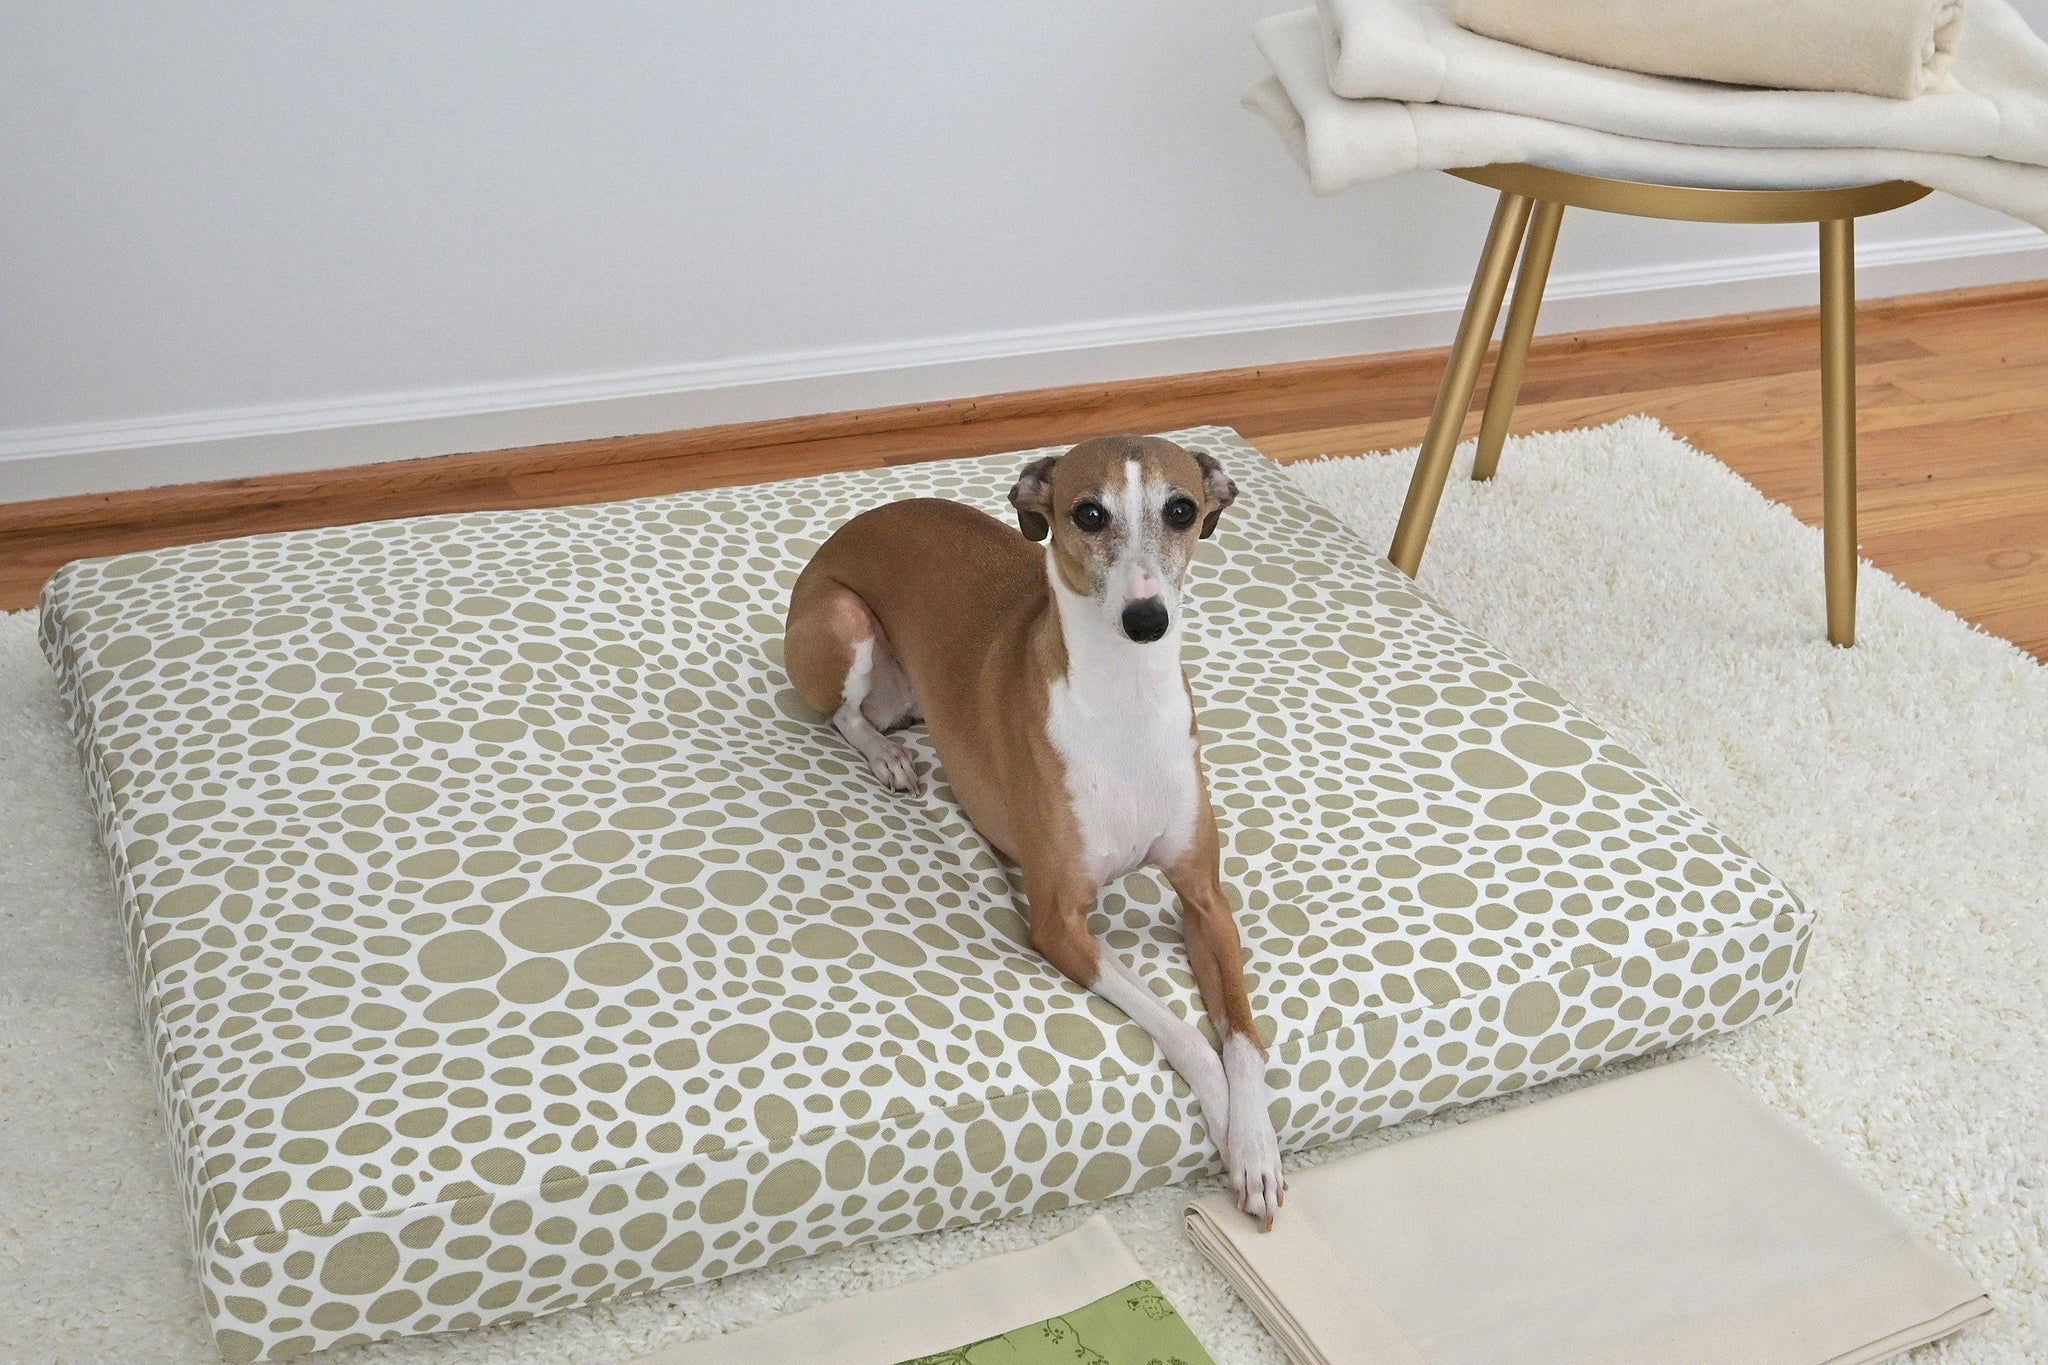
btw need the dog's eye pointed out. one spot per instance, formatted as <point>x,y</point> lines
<point>1090,516</point>
<point>1180,513</point>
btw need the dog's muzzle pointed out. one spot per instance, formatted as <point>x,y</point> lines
<point>1145,621</point>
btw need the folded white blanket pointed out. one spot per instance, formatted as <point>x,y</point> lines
<point>1996,103</point>
<point>1343,142</point>
<point>1898,49</point>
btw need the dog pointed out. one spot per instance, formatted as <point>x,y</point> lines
<point>1050,683</point>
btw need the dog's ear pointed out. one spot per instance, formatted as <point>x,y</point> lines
<point>1217,485</point>
<point>1032,497</point>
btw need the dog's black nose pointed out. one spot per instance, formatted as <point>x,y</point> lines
<point>1145,621</point>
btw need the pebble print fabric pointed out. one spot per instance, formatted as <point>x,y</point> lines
<point>510,937</point>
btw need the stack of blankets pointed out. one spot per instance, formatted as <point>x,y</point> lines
<point>1737,94</point>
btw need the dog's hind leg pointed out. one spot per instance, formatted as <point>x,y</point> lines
<point>891,702</point>
<point>842,665</point>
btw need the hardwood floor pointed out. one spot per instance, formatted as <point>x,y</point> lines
<point>1953,448</point>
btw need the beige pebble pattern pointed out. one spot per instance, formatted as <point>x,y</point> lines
<point>511,938</point>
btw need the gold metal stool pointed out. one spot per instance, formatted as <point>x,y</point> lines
<point>1532,203</point>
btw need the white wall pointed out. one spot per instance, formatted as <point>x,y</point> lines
<point>238,237</point>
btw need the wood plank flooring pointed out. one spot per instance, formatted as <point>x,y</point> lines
<point>1953,447</point>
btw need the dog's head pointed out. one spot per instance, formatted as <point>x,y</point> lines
<point>1123,514</point>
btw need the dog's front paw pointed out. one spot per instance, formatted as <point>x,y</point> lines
<point>1255,1176</point>
<point>1252,1155</point>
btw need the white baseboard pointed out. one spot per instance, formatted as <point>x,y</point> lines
<point>284,438</point>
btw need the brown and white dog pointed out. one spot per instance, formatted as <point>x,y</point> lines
<point>1051,685</point>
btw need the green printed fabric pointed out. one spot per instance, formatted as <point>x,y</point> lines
<point>510,936</point>
<point>1136,1325</point>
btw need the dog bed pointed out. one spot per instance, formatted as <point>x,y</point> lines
<point>509,937</point>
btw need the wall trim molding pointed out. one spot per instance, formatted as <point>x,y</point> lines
<point>293,438</point>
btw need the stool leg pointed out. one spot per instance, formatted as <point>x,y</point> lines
<point>1530,277</point>
<point>1838,423</point>
<point>1454,397</point>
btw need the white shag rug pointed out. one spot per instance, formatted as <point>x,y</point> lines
<point>1901,787</point>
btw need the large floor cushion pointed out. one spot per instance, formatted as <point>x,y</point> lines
<point>510,937</point>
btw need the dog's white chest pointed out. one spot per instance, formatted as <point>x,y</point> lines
<point>1129,751</point>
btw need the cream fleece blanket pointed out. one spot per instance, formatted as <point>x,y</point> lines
<point>1996,103</point>
<point>1899,49</point>
<point>1344,142</point>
